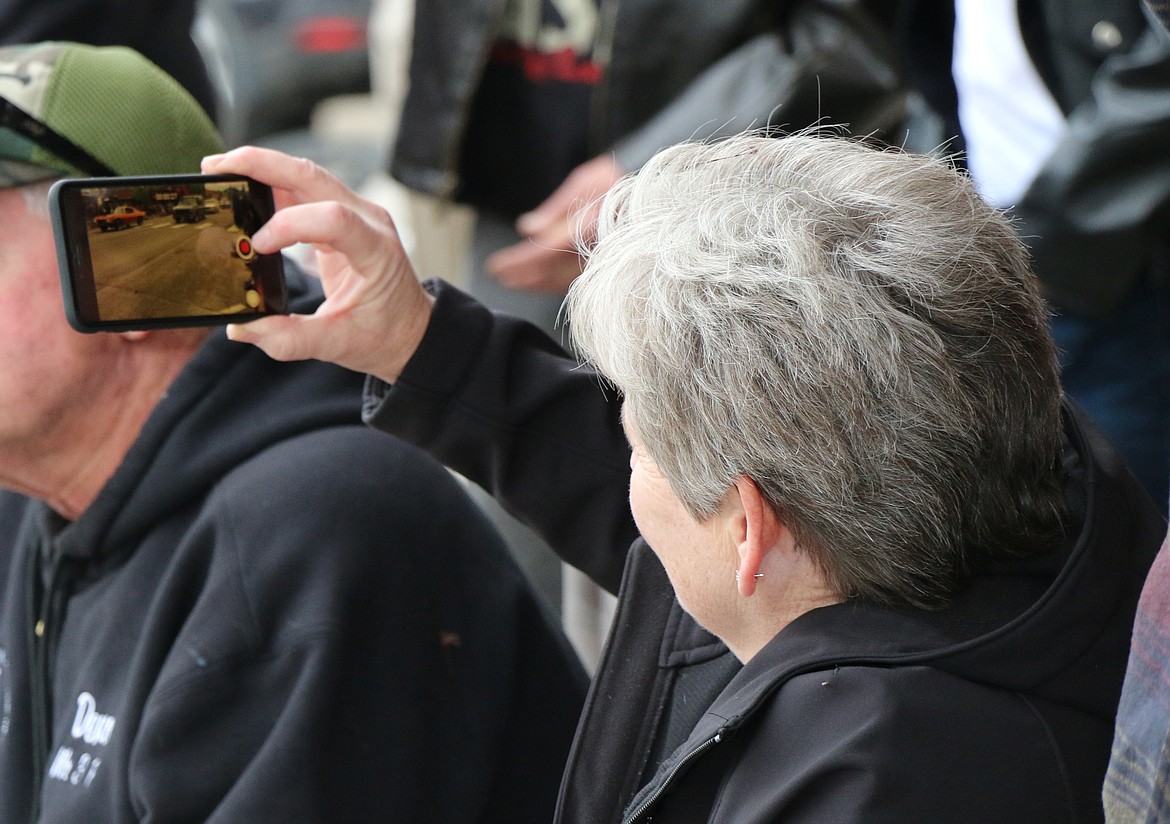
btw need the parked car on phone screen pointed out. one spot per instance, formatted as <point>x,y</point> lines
<point>120,217</point>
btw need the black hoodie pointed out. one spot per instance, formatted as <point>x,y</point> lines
<point>271,613</point>
<point>998,708</point>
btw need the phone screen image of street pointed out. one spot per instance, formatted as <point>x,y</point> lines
<point>173,251</point>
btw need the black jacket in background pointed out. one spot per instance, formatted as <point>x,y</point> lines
<point>997,709</point>
<point>1097,216</point>
<point>273,614</point>
<point>673,71</point>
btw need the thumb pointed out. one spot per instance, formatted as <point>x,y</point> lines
<point>281,337</point>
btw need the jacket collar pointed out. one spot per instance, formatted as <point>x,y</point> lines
<point>1075,602</point>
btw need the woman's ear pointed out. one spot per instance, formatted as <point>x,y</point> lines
<point>756,530</point>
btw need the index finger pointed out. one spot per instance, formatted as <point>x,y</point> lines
<point>302,179</point>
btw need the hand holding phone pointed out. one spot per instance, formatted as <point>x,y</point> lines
<point>375,312</point>
<point>164,251</point>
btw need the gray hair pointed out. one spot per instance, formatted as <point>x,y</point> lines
<point>853,329</point>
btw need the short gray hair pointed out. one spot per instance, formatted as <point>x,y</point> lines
<point>850,327</point>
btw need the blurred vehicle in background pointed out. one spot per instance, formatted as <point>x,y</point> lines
<point>271,61</point>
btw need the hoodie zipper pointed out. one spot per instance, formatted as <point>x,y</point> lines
<point>42,628</point>
<point>664,785</point>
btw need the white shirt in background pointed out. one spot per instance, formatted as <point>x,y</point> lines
<point>1010,121</point>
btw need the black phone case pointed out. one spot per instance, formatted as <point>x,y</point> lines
<point>77,232</point>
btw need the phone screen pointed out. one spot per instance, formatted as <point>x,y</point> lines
<point>148,252</point>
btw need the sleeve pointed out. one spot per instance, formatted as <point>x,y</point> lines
<point>494,399</point>
<point>1096,215</point>
<point>829,63</point>
<point>362,650</point>
<point>1140,760</point>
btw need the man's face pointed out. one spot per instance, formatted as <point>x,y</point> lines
<point>46,369</point>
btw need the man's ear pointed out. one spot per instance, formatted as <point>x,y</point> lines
<point>756,531</point>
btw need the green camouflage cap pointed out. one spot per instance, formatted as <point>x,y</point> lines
<point>111,103</point>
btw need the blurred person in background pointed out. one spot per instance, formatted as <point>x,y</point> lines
<point>884,572</point>
<point>529,110</point>
<point>1062,111</point>
<point>224,599</point>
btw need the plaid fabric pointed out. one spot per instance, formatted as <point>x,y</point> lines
<point>109,101</point>
<point>1137,784</point>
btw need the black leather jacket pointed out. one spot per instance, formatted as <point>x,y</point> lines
<point>1095,217</point>
<point>673,71</point>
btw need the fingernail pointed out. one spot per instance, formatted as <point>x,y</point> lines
<point>237,332</point>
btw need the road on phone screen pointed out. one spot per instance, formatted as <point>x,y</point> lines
<point>168,269</point>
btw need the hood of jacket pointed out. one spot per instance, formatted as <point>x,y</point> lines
<point>200,430</point>
<point>1054,627</point>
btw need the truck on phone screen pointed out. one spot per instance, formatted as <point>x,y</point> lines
<point>190,210</point>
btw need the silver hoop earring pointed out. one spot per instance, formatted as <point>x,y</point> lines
<point>757,576</point>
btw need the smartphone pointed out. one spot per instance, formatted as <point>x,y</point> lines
<point>164,251</point>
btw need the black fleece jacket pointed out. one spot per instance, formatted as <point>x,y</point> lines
<point>272,613</point>
<point>998,708</point>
